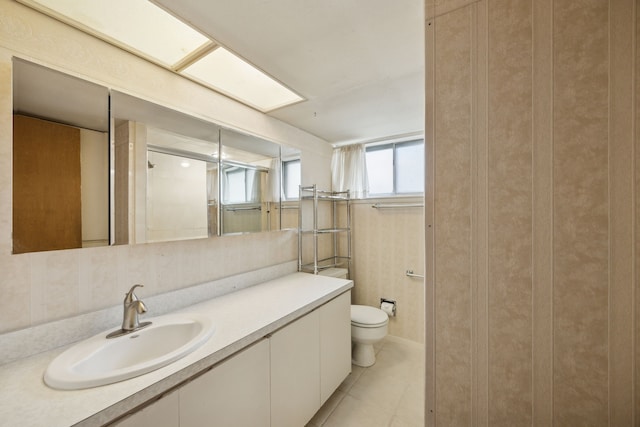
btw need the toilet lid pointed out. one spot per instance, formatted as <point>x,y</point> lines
<point>366,316</point>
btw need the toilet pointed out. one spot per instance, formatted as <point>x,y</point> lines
<point>368,326</point>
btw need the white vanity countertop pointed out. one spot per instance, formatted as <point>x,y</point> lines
<point>241,318</point>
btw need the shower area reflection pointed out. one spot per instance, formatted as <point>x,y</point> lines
<point>242,207</point>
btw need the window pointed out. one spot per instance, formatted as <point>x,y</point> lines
<point>396,168</point>
<point>236,186</point>
<point>242,185</point>
<point>291,179</point>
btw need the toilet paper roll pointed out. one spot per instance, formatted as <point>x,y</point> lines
<point>388,307</point>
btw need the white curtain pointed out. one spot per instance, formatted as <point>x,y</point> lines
<point>253,185</point>
<point>226,193</point>
<point>349,170</point>
<point>274,192</point>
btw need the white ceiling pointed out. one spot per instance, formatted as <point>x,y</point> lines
<point>359,64</point>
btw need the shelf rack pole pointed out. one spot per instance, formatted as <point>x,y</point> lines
<point>300,191</point>
<point>315,229</point>
<point>348,234</point>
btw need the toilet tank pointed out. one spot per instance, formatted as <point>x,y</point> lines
<point>340,273</point>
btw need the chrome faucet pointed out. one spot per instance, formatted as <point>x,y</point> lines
<point>132,308</point>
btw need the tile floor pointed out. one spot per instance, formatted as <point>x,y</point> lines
<point>388,394</point>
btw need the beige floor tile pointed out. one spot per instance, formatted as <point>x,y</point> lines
<point>401,421</point>
<point>325,411</point>
<point>356,371</point>
<point>382,391</point>
<point>354,413</point>
<point>390,393</point>
<point>411,405</point>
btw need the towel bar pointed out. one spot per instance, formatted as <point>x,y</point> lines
<point>410,273</point>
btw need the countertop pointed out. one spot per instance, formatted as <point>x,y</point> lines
<point>241,318</point>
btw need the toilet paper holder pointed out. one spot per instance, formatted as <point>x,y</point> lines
<point>388,306</point>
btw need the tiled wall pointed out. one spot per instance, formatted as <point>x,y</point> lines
<point>42,287</point>
<point>532,295</point>
<point>385,244</point>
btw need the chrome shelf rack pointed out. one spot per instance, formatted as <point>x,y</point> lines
<point>339,226</point>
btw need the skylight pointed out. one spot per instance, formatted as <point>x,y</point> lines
<point>232,76</point>
<point>146,30</point>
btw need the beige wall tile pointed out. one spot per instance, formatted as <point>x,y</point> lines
<point>98,280</point>
<point>55,282</point>
<point>385,243</point>
<point>15,288</point>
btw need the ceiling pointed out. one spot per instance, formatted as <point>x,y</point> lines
<point>359,64</point>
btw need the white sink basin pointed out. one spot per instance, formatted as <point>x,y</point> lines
<point>99,361</point>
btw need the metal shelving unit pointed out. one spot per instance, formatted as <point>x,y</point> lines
<point>340,204</point>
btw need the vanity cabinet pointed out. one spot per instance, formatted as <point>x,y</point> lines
<point>295,372</point>
<point>335,344</point>
<point>309,360</point>
<point>161,413</point>
<point>280,381</point>
<point>234,393</point>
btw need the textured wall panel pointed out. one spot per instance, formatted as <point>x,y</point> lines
<point>510,320</point>
<point>435,8</point>
<point>580,212</point>
<point>453,217</point>
<point>621,211</point>
<point>542,255</point>
<point>562,214</point>
<point>637,219</point>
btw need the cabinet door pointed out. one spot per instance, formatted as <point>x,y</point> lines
<point>234,393</point>
<point>295,372</point>
<point>335,344</point>
<point>162,413</point>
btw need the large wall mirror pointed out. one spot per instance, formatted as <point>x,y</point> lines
<point>60,160</point>
<point>142,172</point>
<point>165,173</point>
<point>250,176</point>
<point>291,180</point>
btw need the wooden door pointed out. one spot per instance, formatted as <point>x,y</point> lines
<point>46,186</point>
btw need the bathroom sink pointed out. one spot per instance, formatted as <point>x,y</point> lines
<point>98,361</point>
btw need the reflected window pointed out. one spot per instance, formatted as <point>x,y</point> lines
<point>396,168</point>
<point>241,185</point>
<point>235,188</point>
<point>291,179</point>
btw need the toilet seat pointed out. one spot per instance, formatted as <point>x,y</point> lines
<point>364,316</point>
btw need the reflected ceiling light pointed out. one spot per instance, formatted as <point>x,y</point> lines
<point>146,30</point>
<point>226,73</point>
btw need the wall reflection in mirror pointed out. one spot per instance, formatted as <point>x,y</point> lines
<point>141,172</point>
<point>60,160</point>
<point>291,180</point>
<point>251,183</point>
<point>165,173</point>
